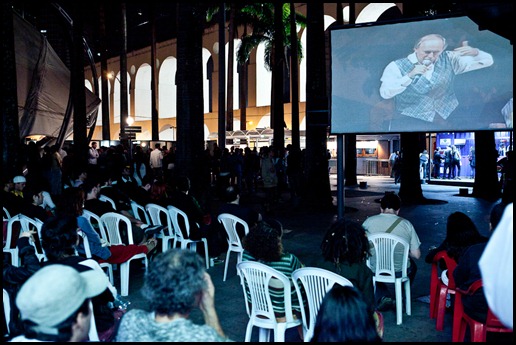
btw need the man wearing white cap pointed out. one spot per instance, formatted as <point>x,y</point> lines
<point>54,303</point>
<point>19,184</point>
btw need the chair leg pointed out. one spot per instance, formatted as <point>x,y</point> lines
<point>408,302</point>
<point>441,307</point>
<point>206,253</point>
<point>124,278</point>
<point>226,266</point>
<point>399,302</point>
<point>279,332</point>
<point>264,335</point>
<point>478,332</point>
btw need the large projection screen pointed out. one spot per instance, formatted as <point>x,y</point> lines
<point>457,78</point>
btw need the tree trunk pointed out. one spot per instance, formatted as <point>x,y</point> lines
<point>190,113</point>
<point>231,53</point>
<point>11,144</point>
<point>294,76</point>
<point>277,111</point>
<point>154,77</point>
<point>317,181</point>
<point>486,183</point>
<point>106,130</point>
<point>410,187</point>
<point>78,95</point>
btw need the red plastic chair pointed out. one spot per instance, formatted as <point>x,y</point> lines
<point>477,329</point>
<point>439,290</point>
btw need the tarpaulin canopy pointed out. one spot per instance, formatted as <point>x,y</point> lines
<point>43,85</point>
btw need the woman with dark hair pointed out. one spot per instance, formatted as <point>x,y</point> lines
<point>461,233</point>
<point>72,204</point>
<point>263,244</point>
<point>175,284</point>
<point>59,239</point>
<point>344,317</point>
<point>345,249</point>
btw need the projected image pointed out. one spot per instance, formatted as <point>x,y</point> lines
<point>434,75</point>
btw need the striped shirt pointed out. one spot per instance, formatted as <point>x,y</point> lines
<point>286,265</point>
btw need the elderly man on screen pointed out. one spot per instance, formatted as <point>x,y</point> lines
<point>422,82</point>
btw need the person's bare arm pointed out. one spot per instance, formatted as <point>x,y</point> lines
<point>415,253</point>
<point>207,306</point>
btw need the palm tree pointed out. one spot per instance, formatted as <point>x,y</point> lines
<point>260,17</point>
<point>317,184</point>
<point>191,22</point>
<point>11,143</point>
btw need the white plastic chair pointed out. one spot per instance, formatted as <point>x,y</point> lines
<point>256,279</point>
<point>156,214</point>
<point>6,215</point>
<point>384,271</point>
<point>185,242</point>
<point>7,310</point>
<point>230,223</point>
<point>95,219</point>
<point>27,224</point>
<point>93,334</point>
<point>315,282</point>
<point>108,199</point>
<point>111,222</point>
<point>138,211</point>
<point>12,250</point>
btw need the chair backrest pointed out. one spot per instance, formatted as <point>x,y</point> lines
<point>230,223</point>
<point>86,244</point>
<point>112,222</point>
<point>6,215</point>
<point>442,256</point>
<point>27,224</point>
<point>492,324</point>
<point>7,310</point>
<point>140,212</point>
<point>13,230</point>
<point>384,254</point>
<point>175,213</point>
<point>257,282</point>
<point>108,199</point>
<point>159,213</point>
<point>96,224</point>
<point>312,284</point>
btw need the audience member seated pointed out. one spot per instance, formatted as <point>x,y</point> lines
<point>14,277</point>
<point>10,201</point>
<point>345,249</point>
<point>461,233</point>
<point>263,244</point>
<point>59,240</point>
<point>468,271</point>
<point>54,304</point>
<point>140,230</point>
<point>141,194</point>
<point>175,284</point>
<point>344,317</point>
<point>71,204</point>
<point>32,206</point>
<point>126,184</point>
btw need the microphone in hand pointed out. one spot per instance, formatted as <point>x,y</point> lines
<point>426,63</point>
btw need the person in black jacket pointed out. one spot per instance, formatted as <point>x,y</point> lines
<point>14,277</point>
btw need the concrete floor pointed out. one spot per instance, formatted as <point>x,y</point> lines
<point>308,229</point>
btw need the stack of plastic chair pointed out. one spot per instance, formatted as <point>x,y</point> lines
<point>440,289</point>
<point>477,329</point>
<point>256,279</point>
<point>315,282</point>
